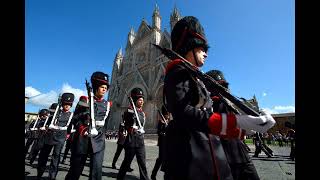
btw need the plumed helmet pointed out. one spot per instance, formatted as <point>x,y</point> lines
<point>43,112</point>
<point>67,98</point>
<point>136,93</point>
<point>99,78</point>
<point>53,107</point>
<point>188,34</point>
<point>83,101</point>
<point>219,77</point>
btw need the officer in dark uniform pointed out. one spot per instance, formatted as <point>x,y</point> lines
<point>241,165</point>
<point>192,151</point>
<point>122,134</point>
<point>37,145</point>
<point>32,135</point>
<point>56,136</point>
<point>43,132</point>
<point>84,141</point>
<point>80,145</point>
<point>134,143</point>
<point>161,131</point>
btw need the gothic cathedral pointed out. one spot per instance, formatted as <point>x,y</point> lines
<point>142,66</point>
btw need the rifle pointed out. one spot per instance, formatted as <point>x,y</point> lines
<point>140,128</point>
<point>210,82</point>
<point>93,131</point>
<point>54,119</point>
<point>162,117</point>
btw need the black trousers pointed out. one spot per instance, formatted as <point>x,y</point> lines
<point>36,147</point>
<point>130,152</point>
<point>78,161</point>
<point>55,159</point>
<point>117,154</point>
<point>159,161</point>
<point>28,144</point>
<point>244,171</point>
<point>66,150</point>
<point>260,147</point>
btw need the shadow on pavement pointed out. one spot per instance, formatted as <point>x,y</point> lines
<point>114,175</point>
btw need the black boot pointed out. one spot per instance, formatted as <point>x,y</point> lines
<point>114,166</point>
<point>153,177</point>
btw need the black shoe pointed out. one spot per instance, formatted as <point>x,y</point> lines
<point>130,169</point>
<point>153,177</point>
<point>114,166</point>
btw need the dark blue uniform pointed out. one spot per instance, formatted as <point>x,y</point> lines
<point>54,139</point>
<point>134,145</point>
<point>161,131</point>
<point>38,144</point>
<point>84,145</point>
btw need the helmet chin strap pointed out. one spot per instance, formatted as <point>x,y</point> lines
<point>195,58</point>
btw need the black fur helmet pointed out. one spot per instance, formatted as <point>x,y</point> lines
<point>53,107</point>
<point>43,112</point>
<point>99,78</point>
<point>67,98</point>
<point>219,77</point>
<point>188,34</point>
<point>136,93</point>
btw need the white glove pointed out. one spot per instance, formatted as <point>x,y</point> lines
<point>93,132</point>
<point>51,126</point>
<point>249,122</point>
<point>86,133</point>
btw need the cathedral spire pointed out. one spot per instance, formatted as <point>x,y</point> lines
<point>156,18</point>
<point>119,53</point>
<point>174,17</point>
<point>131,36</point>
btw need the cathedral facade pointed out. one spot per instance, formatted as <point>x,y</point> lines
<point>142,66</point>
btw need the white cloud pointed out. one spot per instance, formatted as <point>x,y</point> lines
<point>44,100</point>
<point>30,92</point>
<point>280,109</point>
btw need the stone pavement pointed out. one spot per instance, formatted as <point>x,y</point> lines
<point>278,167</point>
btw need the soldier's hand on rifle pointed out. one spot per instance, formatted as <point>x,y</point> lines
<point>261,123</point>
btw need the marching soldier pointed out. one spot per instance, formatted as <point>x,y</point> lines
<point>37,145</point>
<point>242,167</point>
<point>122,134</point>
<point>161,131</point>
<point>191,151</point>
<point>134,118</point>
<point>32,135</point>
<point>260,146</point>
<point>90,124</point>
<point>56,136</point>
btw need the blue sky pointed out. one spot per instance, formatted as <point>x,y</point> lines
<point>252,42</point>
